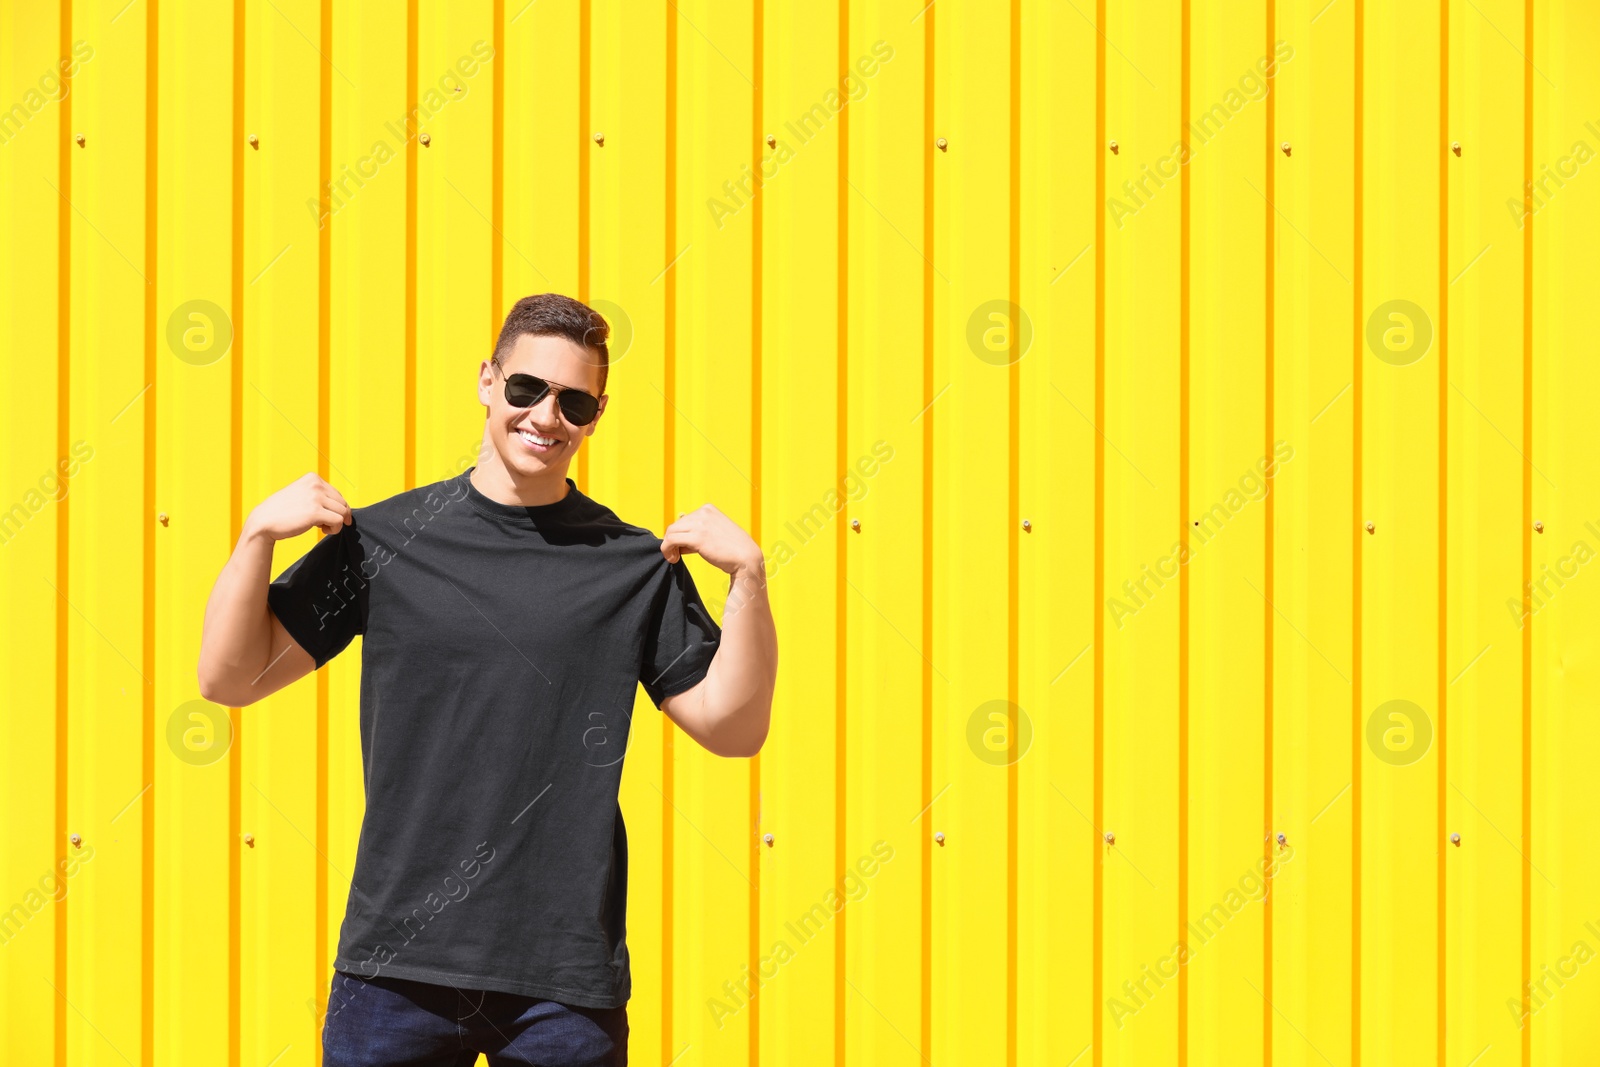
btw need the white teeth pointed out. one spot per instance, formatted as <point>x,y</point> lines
<point>547,441</point>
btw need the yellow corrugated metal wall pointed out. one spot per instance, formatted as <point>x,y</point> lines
<point>1212,383</point>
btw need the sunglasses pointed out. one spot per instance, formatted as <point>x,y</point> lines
<point>526,390</point>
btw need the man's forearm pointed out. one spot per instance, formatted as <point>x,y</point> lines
<point>237,634</point>
<point>743,673</point>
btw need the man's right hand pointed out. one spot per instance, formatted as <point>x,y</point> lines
<point>305,502</point>
<point>245,652</point>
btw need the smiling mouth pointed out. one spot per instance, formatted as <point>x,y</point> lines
<point>538,442</point>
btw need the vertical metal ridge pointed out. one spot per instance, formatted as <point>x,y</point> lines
<point>1527,526</point>
<point>147,815</point>
<point>323,976</point>
<point>1014,516</point>
<point>925,1033</point>
<point>757,354</point>
<point>1443,576</point>
<point>413,114</point>
<point>63,527</point>
<point>1269,709</point>
<point>584,202</point>
<point>235,511</point>
<point>1097,979</point>
<point>841,546</point>
<point>669,460</point>
<point>1355,541</point>
<point>1185,63</point>
<point>497,165</point>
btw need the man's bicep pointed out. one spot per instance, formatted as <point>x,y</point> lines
<point>287,662</point>
<point>687,710</point>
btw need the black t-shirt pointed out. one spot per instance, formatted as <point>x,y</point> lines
<point>501,654</point>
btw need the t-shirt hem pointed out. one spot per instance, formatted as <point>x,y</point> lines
<point>543,991</point>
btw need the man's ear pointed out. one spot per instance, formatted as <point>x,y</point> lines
<point>594,423</point>
<point>485,385</point>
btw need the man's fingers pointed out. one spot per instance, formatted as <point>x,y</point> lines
<point>337,503</point>
<point>330,521</point>
<point>675,544</point>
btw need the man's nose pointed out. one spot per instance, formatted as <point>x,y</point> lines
<point>547,412</point>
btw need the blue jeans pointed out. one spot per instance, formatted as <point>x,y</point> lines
<point>396,1022</point>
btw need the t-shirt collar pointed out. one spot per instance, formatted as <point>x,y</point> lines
<point>540,514</point>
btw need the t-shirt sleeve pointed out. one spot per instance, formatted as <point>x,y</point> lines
<point>681,640</point>
<point>321,598</point>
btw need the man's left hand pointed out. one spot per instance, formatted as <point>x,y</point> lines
<point>714,537</point>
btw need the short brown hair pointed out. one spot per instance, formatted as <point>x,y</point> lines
<point>554,315</point>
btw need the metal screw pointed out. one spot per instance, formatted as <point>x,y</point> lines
<point>599,138</point>
<point>1455,146</point>
<point>772,142</point>
<point>77,842</point>
<point>1111,838</point>
<point>939,837</point>
<point>255,142</point>
<point>162,518</point>
<point>855,524</point>
<point>1286,148</point>
<point>941,144</point>
<point>1283,839</point>
<point>1538,527</point>
<point>250,840</point>
<point>768,839</point>
<point>79,138</point>
<point>426,140</point>
<point>1026,525</point>
<point>1455,839</point>
<point>1371,528</point>
<point>1113,146</point>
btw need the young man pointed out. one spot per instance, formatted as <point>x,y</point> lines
<point>507,619</point>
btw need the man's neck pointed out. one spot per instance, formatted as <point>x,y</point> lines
<point>495,481</point>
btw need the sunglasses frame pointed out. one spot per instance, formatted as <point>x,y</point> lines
<point>548,387</point>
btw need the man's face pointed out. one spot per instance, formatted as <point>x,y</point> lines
<point>513,430</point>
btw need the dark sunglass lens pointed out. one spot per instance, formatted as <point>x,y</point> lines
<point>579,408</point>
<point>524,390</point>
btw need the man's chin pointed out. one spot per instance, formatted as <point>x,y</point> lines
<point>522,462</point>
